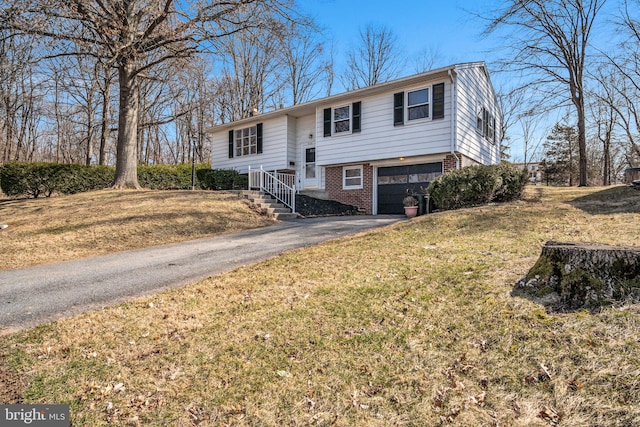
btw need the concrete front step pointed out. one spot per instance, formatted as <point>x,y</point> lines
<point>284,216</point>
<point>278,210</point>
<point>273,210</point>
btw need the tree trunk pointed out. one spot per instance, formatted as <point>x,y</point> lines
<point>606,172</point>
<point>570,276</point>
<point>127,155</point>
<point>104,134</point>
<point>89,147</point>
<point>582,139</point>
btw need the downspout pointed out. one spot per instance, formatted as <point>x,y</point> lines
<point>454,114</point>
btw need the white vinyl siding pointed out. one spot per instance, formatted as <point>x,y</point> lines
<point>379,139</point>
<point>474,92</point>
<point>293,129</point>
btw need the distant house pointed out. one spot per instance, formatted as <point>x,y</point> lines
<point>371,146</point>
<point>534,171</point>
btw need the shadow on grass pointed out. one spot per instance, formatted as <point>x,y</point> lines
<point>613,200</point>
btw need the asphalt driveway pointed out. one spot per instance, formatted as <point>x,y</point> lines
<point>31,296</point>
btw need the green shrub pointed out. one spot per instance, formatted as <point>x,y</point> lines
<point>221,179</point>
<point>513,182</point>
<point>477,185</point>
<point>170,177</point>
<point>19,179</point>
<point>44,179</point>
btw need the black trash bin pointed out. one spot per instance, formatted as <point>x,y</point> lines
<point>421,206</point>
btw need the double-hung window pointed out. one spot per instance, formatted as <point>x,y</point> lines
<point>418,104</point>
<point>486,124</point>
<point>342,120</point>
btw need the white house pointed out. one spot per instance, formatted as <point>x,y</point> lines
<point>371,146</point>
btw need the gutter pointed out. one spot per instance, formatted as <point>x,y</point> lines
<point>454,114</point>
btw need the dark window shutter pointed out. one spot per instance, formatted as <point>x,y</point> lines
<point>356,116</point>
<point>231,144</point>
<point>259,137</point>
<point>438,101</point>
<point>485,119</point>
<point>398,108</point>
<point>327,122</point>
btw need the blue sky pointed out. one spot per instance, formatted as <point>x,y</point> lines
<point>442,26</point>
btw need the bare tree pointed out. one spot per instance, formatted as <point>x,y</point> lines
<point>550,39</point>
<point>302,61</point>
<point>604,117</point>
<point>620,80</point>
<point>134,36</point>
<point>250,72</point>
<point>19,90</point>
<point>104,76</point>
<point>375,60</point>
<point>514,105</point>
<point>427,59</point>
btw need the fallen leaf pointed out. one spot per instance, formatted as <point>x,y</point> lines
<point>284,374</point>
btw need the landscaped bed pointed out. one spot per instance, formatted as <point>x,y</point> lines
<point>413,324</point>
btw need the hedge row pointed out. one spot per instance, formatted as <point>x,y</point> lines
<point>478,185</point>
<point>44,179</point>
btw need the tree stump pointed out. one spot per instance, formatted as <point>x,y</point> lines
<point>573,276</point>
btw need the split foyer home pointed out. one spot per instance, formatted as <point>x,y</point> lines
<point>369,147</point>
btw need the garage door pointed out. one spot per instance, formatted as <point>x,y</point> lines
<point>395,182</point>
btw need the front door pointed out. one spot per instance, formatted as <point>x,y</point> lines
<point>309,171</point>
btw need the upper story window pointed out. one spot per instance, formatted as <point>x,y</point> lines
<point>486,124</point>
<point>418,104</point>
<point>343,119</point>
<point>246,141</point>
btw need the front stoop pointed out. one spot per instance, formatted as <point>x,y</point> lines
<point>272,206</point>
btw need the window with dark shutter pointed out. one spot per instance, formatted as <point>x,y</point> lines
<point>231,144</point>
<point>438,101</point>
<point>259,138</point>
<point>327,122</point>
<point>355,127</point>
<point>398,109</point>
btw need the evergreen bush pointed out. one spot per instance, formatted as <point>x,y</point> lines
<point>20,179</point>
<point>477,185</point>
<point>222,179</point>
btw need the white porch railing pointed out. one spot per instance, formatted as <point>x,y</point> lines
<point>281,186</point>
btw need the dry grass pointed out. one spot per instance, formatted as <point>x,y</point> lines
<point>409,325</point>
<point>96,223</point>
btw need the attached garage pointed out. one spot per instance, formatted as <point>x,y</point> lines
<point>396,182</point>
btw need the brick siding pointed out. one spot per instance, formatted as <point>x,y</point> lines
<point>449,163</point>
<point>362,198</point>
